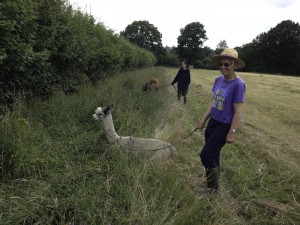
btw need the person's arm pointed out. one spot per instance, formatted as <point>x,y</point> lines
<point>205,117</point>
<point>176,78</point>
<point>237,107</point>
<point>188,79</point>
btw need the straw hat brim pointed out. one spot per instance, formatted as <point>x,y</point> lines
<point>239,63</point>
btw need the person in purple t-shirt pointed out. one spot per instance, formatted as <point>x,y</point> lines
<point>224,114</point>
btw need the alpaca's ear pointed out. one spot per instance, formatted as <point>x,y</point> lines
<point>145,87</point>
<point>108,109</point>
<point>112,107</point>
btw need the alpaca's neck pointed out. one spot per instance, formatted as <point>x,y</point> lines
<point>111,134</point>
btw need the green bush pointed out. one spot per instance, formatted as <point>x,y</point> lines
<point>45,45</point>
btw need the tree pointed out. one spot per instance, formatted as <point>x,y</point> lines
<point>251,54</point>
<point>282,48</point>
<point>191,38</point>
<point>204,59</point>
<point>276,51</point>
<point>220,47</point>
<point>145,35</point>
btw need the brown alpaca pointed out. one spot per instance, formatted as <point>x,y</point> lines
<point>152,84</point>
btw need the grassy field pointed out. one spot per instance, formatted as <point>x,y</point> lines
<point>58,168</point>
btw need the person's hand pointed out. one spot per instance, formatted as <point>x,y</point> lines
<point>201,125</point>
<point>230,137</point>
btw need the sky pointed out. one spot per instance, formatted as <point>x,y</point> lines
<point>237,22</point>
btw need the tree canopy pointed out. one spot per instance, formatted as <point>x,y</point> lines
<point>191,38</point>
<point>221,46</point>
<point>275,51</point>
<point>145,35</point>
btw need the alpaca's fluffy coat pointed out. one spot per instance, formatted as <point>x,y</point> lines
<point>152,84</point>
<point>154,149</point>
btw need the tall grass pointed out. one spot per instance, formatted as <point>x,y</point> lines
<point>57,166</point>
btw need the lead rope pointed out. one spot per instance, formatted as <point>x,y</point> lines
<point>174,88</point>
<point>165,85</point>
<point>117,141</point>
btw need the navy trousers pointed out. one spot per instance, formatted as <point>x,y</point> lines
<point>181,92</point>
<point>215,139</point>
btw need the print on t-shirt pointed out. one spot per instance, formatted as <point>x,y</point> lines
<point>219,99</point>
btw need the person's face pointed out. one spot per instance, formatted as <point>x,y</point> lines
<point>183,65</point>
<point>226,66</point>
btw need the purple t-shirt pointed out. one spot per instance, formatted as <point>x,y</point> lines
<point>225,93</point>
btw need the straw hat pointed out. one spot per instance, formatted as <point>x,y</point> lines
<point>229,53</point>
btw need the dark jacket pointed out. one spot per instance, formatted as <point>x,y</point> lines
<point>183,78</point>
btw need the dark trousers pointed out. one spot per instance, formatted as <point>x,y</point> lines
<point>215,139</point>
<point>181,92</point>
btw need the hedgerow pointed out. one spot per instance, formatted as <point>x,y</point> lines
<point>46,45</point>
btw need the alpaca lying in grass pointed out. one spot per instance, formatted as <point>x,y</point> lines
<point>153,149</point>
<point>152,84</point>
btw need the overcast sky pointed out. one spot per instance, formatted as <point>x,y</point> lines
<point>237,22</point>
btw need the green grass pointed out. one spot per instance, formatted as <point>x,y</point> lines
<point>57,166</point>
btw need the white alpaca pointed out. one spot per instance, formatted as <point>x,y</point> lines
<point>153,148</point>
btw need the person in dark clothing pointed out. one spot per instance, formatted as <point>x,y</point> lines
<point>183,80</point>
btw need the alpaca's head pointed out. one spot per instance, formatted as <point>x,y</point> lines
<point>101,113</point>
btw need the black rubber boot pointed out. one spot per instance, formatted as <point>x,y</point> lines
<point>178,95</point>
<point>213,177</point>
<point>184,100</point>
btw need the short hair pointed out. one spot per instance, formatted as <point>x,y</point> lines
<point>186,63</point>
